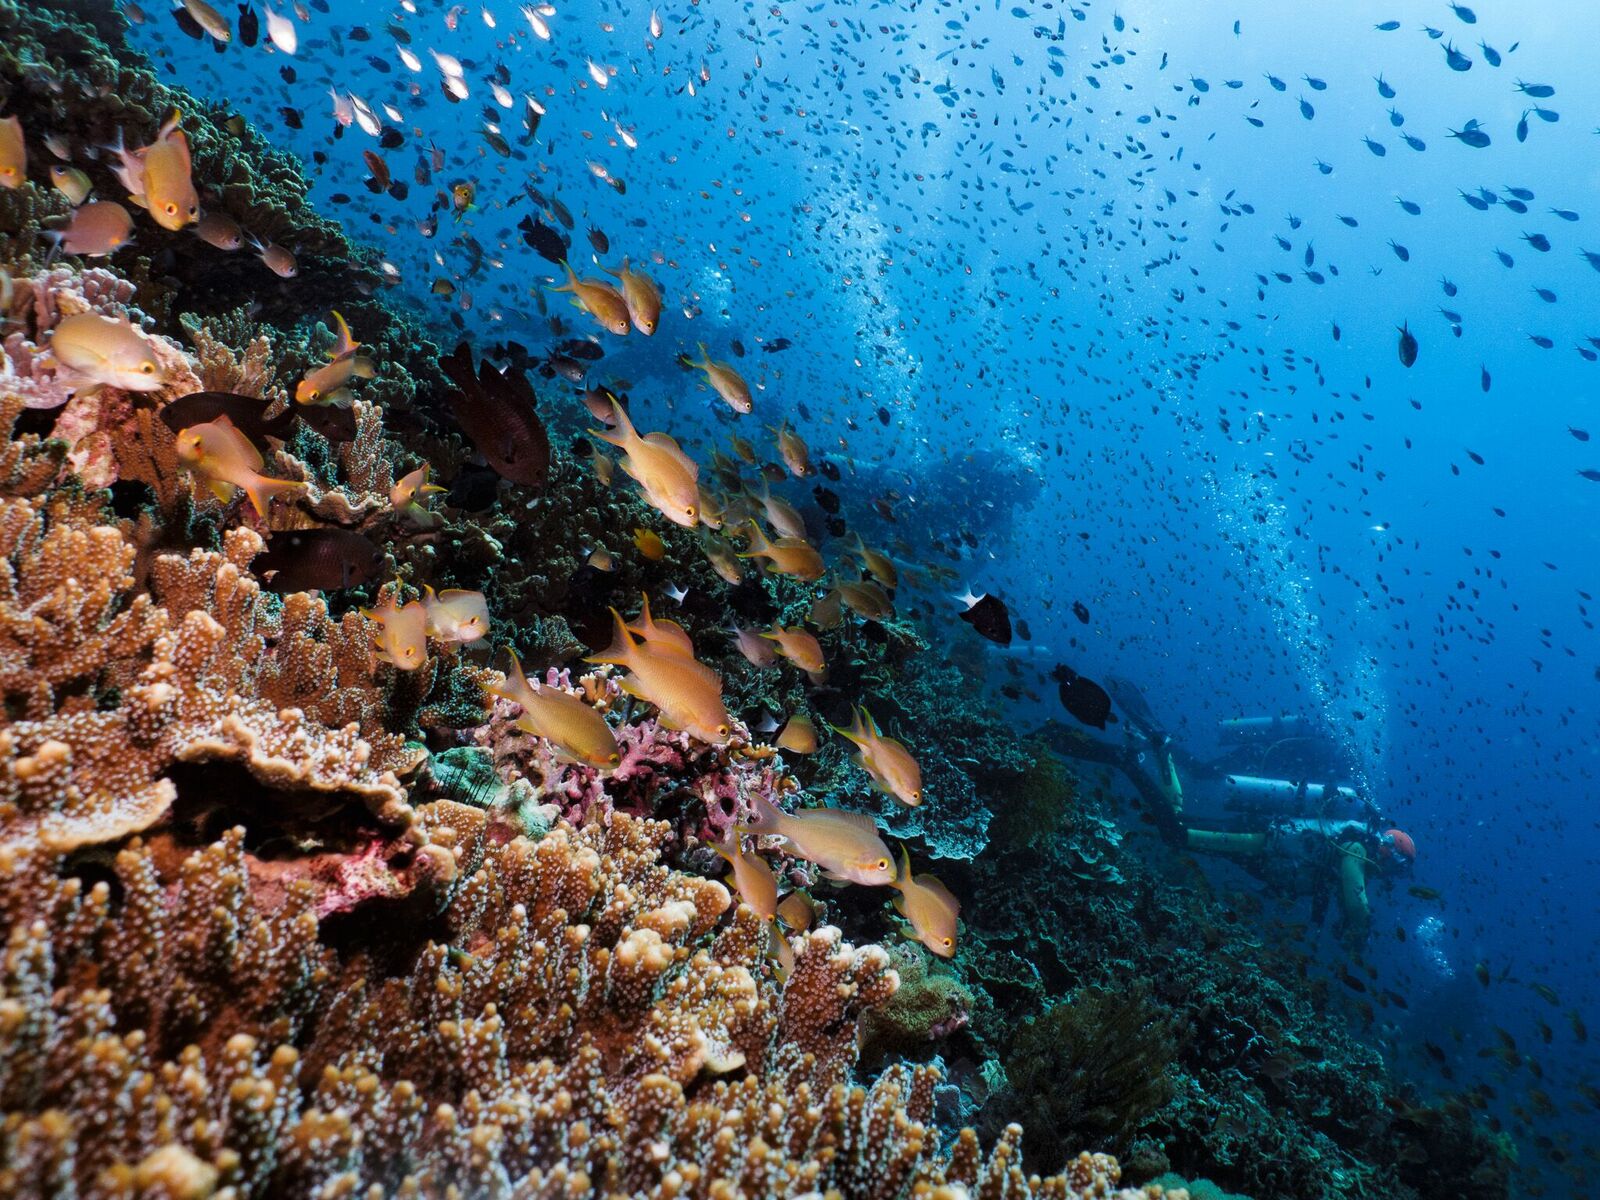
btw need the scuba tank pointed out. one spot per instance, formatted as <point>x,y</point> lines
<point>1283,797</point>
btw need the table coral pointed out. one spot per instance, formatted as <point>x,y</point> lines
<point>114,686</point>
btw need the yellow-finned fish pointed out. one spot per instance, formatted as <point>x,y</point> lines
<point>71,182</point>
<point>893,770</point>
<point>665,474</point>
<point>228,462</point>
<point>845,845</point>
<point>574,729</point>
<point>686,694</point>
<point>407,498</point>
<point>329,383</point>
<point>928,905</point>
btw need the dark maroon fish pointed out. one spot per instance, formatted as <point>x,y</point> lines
<point>330,559</point>
<point>582,349</point>
<point>496,410</point>
<point>246,413</point>
<point>990,618</point>
<point>545,241</point>
<point>1083,698</point>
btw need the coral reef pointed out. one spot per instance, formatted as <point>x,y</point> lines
<point>587,1020</point>
<point>202,670</point>
<point>1272,1093</point>
<point>1088,1072</point>
<point>284,919</point>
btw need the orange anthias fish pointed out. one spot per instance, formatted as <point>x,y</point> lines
<point>724,380</point>
<point>794,452</point>
<point>13,154</point>
<point>791,556</point>
<point>665,636</point>
<point>798,646</point>
<point>782,515</point>
<point>330,383</point>
<point>845,845</point>
<point>455,615</point>
<point>721,557</point>
<point>751,876</point>
<point>877,564</point>
<point>159,177</point>
<point>687,694</point>
<point>798,911</point>
<point>866,599</point>
<point>401,638</point>
<point>599,299</point>
<point>227,461</point>
<point>109,351</point>
<point>798,736</point>
<point>574,729</point>
<point>406,498</point>
<point>758,652</point>
<point>642,297</point>
<point>893,770</point>
<point>929,906</point>
<point>665,474</point>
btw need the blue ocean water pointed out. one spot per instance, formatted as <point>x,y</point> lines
<point>1102,305</point>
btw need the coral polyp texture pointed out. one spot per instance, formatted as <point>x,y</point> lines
<point>202,669</point>
<point>583,1021</point>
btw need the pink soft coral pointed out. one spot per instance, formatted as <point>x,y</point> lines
<point>660,770</point>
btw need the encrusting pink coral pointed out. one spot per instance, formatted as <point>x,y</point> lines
<point>661,769</point>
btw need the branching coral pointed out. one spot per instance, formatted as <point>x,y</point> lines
<point>589,1022</point>
<point>112,687</point>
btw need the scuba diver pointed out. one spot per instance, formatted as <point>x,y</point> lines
<point>1283,817</point>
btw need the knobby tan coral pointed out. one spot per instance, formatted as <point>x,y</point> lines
<point>112,685</point>
<point>585,1022</point>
